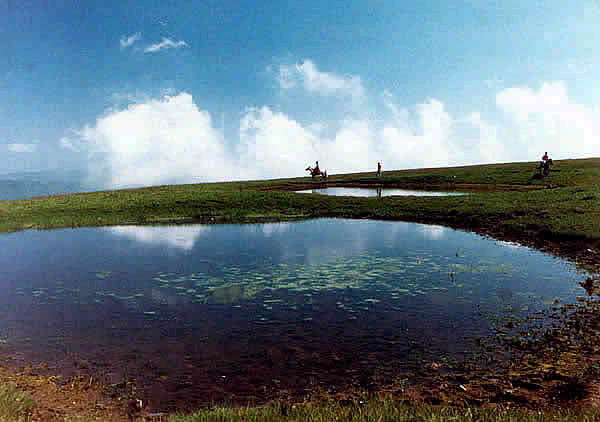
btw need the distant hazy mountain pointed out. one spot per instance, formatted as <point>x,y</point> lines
<point>42,183</point>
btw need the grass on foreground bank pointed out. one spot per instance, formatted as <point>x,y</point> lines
<point>383,410</point>
<point>573,209</point>
<point>15,405</point>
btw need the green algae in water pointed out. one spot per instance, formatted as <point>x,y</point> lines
<point>416,274</point>
<point>227,294</point>
<point>103,274</point>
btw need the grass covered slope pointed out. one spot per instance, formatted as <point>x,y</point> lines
<point>565,173</point>
<point>567,203</point>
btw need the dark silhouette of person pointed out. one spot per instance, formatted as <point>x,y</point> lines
<point>378,168</point>
<point>545,164</point>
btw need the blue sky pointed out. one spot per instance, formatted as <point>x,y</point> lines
<point>146,92</point>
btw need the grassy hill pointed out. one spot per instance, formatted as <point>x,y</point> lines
<point>564,204</point>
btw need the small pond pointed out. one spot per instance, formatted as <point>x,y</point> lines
<point>344,191</point>
<point>212,313</point>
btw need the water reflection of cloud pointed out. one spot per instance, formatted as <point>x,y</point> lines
<point>352,241</point>
<point>179,237</point>
<point>511,245</point>
<point>270,228</point>
<point>393,230</point>
<point>433,232</point>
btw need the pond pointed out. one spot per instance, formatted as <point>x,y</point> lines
<point>239,313</point>
<point>344,191</point>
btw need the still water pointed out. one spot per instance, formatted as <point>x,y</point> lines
<point>342,191</point>
<point>239,313</point>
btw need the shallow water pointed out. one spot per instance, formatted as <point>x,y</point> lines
<point>238,313</point>
<point>344,191</point>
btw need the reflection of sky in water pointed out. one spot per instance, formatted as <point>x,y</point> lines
<point>433,232</point>
<point>177,237</point>
<point>194,263</point>
<point>371,293</point>
<point>344,191</point>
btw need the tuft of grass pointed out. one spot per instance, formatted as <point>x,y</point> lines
<point>384,410</point>
<point>15,405</point>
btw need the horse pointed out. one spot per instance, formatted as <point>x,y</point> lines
<point>314,172</point>
<point>544,167</point>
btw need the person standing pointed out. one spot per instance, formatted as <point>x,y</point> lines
<point>378,168</point>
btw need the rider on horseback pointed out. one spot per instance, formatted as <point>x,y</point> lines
<point>545,164</point>
<point>316,171</point>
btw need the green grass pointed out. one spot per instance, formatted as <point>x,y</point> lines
<point>565,173</point>
<point>15,405</point>
<point>382,410</point>
<point>570,208</point>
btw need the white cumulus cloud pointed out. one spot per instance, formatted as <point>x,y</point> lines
<point>164,44</point>
<point>317,82</point>
<point>127,41</point>
<point>273,145</point>
<point>22,148</point>
<point>171,140</point>
<point>422,141</point>
<point>168,140</point>
<point>547,120</point>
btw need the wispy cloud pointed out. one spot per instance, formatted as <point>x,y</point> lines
<point>68,144</point>
<point>317,82</point>
<point>166,43</point>
<point>126,42</point>
<point>22,148</point>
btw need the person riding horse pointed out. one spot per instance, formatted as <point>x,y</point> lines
<point>545,164</point>
<point>315,171</point>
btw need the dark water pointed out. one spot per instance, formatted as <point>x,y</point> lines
<point>341,191</point>
<point>243,313</point>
